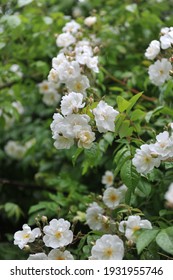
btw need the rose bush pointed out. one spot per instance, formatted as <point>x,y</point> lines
<point>86,130</point>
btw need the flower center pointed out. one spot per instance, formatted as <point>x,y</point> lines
<point>136,228</point>
<point>26,235</point>
<point>58,234</point>
<point>113,197</point>
<point>108,252</point>
<point>60,258</point>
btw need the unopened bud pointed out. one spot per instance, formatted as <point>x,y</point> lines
<point>129,243</point>
<point>171,73</point>
<point>171,59</point>
<point>44,219</point>
<point>27,248</point>
<point>96,50</point>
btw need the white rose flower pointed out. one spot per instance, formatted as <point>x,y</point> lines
<point>71,103</point>
<point>57,61</point>
<point>56,254</point>
<point>63,142</point>
<point>38,256</point>
<point>68,71</point>
<point>108,178</point>
<point>57,233</point>
<point>133,224</point>
<point>145,160</point>
<point>65,40</point>
<point>92,63</point>
<point>105,117</point>
<point>94,216</point>
<point>79,84</point>
<point>159,71</point>
<point>71,27</point>
<point>53,76</point>
<point>108,247</point>
<point>153,50</point>
<point>112,197</point>
<point>46,87</point>
<point>14,150</point>
<point>51,98</point>
<point>85,139</point>
<point>22,237</point>
<point>163,145</point>
<point>89,21</point>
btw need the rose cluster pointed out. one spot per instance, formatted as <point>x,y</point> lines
<point>159,72</point>
<point>72,69</point>
<point>151,155</point>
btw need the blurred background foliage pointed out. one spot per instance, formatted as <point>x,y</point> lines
<point>59,183</point>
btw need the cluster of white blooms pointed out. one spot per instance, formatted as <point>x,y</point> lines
<point>96,216</point>
<point>49,92</point>
<point>54,254</point>
<point>10,119</point>
<point>70,70</point>
<point>151,155</point>
<point>169,195</point>
<point>108,247</point>
<point>159,72</point>
<point>16,150</point>
<point>132,225</point>
<point>15,68</point>
<point>56,235</point>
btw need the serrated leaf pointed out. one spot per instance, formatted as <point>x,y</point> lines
<point>145,238</point>
<point>165,240</point>
<point>130,178</point>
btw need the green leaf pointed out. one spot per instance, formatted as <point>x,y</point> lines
<point>130,178</point>
<point>145,238</point>
<point>138,114</point>
<point>133,101</point>
<point>125,130</point>
<point>144,188</point>
<point>122,104</point>
<point>165,240</point>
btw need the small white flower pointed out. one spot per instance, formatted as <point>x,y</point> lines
<point>71,103</point>
<point>56,254</point>
<point>108,247</point>
<point>65,40</point>
<point>108,178</point>
<point>57,61</point>
<point>144,160</point>
<point>51,98</point>
<point>71,27</point>
<point>94,216</point>
<point>105,117</point>
<point>57,233</point>
<point>79,84</point>
<point>85,139</point>
<point>159,71</point>
<point>163,145</point>
<point>22,237</point>
<point>169,194</point>
<point>68,71</point>
<point>92,63</point>
<point>89,21</point>
<point>14,150</point>
<point>63,142</point>
<point>53,76</point>
<point>46,87</point>
<point>166,38</point>
<point>153,50</point>
<point>133,224</point>
<point>38,256</point>
<point>112,197</point>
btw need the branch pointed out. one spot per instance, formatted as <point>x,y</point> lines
<point>133,90</point>
<point>22,185</point>
<point>7,85</point>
